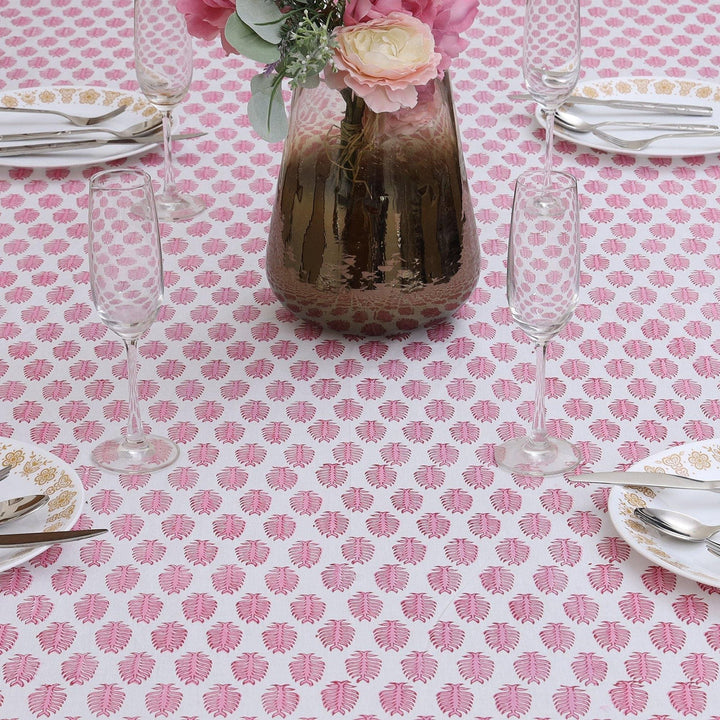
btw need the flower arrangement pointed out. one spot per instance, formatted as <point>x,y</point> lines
<point>377,53</point>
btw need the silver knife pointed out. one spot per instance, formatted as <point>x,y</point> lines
<point>33,148</point>
<point>47,538</point>
<point>82,132</point>
<point>640,105</point>
<point>647,479</point>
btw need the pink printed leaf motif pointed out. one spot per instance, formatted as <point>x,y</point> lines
<point>306,669</point>
<point>253,608</point>
<point>472,607</point>
<point>475,667</point>
<point>79,668</point>
<point>571,702</point>
<point>46,701</point>
<point>611,635</point>
<point>363,666</point>
<point>336,634</point>
<point>175,579</point>
<point>279,637</point>
<point>339,697</point>
<point>659,580</point>
<point>365,606</point>
<point>305,553</point>
<point>629,697</point>
<point>418,607</point>
<point>57,637</point>
<point>454,700</point>
<point>35,610</point>
<point>636,607</point>
<point>397,698</point>
<point>391,635</point>
<point>163,700</point>
<point>643,667</point>
<point>444,579</point>
<point>199,607</point>
<point>249,668</point>
<point>532,667</point>
<point>91,608</point>
<point>106,700</point>
<point>221,700</point>
<point>228,526</point>
<point>501,637</point>
<point>123,578</point>
<point>700,668</point>
<point>168,637</point>
<point>145,608</point>
<point>419,666</point>
<point>68,580</point>
<point>126,527</point>
<point>15,581</point>
<point>136,668</point>
<point>589,668</point>
<point>688,699</point>
<point>392,578</point>
<point>667,637</point>
<point>557,637</point>
<point>193,668</point>
<point>526,608</point>
<point>605,578</point>
<point>692,609</point>
<point>18,671</point>
<point>280,700</point>
<point>307,608</point>
<point>224,637</point>
<point>446,636</point>
<point>550,580</point>
<point>113,637</point>
<point>565,552</point>
<point>497,579</point>
<point>513,701</point>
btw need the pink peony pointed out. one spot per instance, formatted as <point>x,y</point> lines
<point>383,60</point>
<point>206,18</point>
<point>446,18</point>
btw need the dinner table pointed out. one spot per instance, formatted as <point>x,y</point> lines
<point>336,538</point>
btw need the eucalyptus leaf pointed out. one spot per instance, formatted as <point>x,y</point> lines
<point>266,109</point>
<point>263,16</point>
<point>248,43</point>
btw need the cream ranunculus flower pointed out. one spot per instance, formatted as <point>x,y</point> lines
<point>384,60</point>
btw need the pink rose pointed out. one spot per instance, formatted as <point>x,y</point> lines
<point>206,18</point>
<point>446,18</point>
<point>383,60</point>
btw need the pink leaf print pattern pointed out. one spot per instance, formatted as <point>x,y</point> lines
<point>700,668</point>
<point>199,607</point>
<point>513,701</point>
<point>455,700</point>
<point>193,668</point>
<point>339,697</point>
<point>68,580</point>
<point>419,666</point>
<point>307,608</point>
<point>168,637</point>
<point>224,637</point>
<point>571,702</point>
<point>659,580</point>
<point>46,701</point>
<point>691,609</point>
<point>228,579</point>
<point>106,700</point>
<point>306,669</point>
<point>398,698</point>
<point>688,698</point>
<point>280,700</point>
<point>643,667</point>
<point>336,634</point>
<point>79,668</point>
<point>113,637</point>
<point>279,637</point>
<point>667,637</point>
<point>365,606</point>
<point>628,697</point>
<point>136,668</point>
<point>57,638</point>
<point>91,608</point>
<point>20,670</point>
<point>636,607</point>
<point>221,700</point>
<point>363,666</point>
<point>589,668</point>
<point>249,668</point>
<point>35,610</point>
<point>163,700</point>
<point>532,667</point>
<point>475,667</point>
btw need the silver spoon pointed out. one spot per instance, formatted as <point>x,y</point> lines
<point>570,121</point>
<point>18,507</point>
<point>676,524</point>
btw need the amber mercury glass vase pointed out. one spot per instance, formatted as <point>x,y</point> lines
<point>373,231</point>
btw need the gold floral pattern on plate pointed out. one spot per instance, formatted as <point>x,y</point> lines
<point>690,560</point>
<point>37,471</point>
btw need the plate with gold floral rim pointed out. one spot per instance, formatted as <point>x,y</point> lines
<point>77,101</point>
<point>691,560</point>
<point>648,89</point>
<point>36,471</point>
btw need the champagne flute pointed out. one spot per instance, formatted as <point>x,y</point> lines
<point>551,58</point>
<point>163,64</point>
<point>543,280</point>
<point>126,281</point>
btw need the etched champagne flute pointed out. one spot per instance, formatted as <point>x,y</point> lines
<point>551,58</point>
<point>126,282</point>
<point>543,280</point>
<point>164,65</point>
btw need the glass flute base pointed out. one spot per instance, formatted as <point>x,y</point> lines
<point>523,456</point>
<point>178,207</point>
<point>120,456</point>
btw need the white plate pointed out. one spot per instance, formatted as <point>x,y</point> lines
<point>36,471</point>
<point>77,101</point>
<point>688,92</point>
<point>691,560</point>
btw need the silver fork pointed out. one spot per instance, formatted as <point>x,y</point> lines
<point>644,142</point>
<point>147,127</point>
<point>78,120</point>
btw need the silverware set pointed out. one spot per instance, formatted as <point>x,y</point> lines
<point>18,507</point>
<point>567,120</point>
<point>680,526</point>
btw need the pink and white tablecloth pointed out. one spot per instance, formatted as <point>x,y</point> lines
<point>336,540</point>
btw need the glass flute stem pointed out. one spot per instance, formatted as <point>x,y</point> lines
<point>538,432</point>
<point>549,131</point>
<point>169,188</point>
<point>134,435</point>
